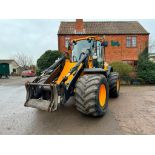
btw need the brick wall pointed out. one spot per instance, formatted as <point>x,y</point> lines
<point>114,53</point>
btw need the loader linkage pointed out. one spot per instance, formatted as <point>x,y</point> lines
<point>41,93</point>
<point>35,96</point>
<point>48,96</point>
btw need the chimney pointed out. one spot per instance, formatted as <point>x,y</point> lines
<point>79,26</point>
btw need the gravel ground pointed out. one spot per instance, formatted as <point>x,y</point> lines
<point>132,113</point>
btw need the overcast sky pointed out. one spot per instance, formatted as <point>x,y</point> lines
<point>34,37</point>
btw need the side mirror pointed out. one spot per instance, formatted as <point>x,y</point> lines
<point>104,43</point>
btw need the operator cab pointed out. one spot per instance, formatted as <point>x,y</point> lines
<point>94,47</point>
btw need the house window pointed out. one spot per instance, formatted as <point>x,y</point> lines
<point>128,42</point>
<point>67,39</point>
<point>131,41</point>
<point>134,42</point>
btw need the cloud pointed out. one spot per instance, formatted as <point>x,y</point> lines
<point>31,37</point>
<point>149,25</point>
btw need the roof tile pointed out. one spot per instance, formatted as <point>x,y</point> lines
<point>110,27</point>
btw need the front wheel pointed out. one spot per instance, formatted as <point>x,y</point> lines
<point>91,95</point>
<point>114,84</point>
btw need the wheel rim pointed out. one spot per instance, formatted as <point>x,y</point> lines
<point>102,95</point>
<point>118,85</point>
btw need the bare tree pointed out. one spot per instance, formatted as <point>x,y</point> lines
<point>23,60</point>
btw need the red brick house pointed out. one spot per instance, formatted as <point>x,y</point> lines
<point>126,39</point>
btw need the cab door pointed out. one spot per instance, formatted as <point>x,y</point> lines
<point>100,54</point>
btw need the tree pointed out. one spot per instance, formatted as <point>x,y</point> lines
<point>146,68</point>
<point>47,59</point>
<point>23,60</point>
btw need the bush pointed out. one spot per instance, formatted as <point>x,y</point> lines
<point>146,68</point>
<point>122,68</point>
<point>47,59</point>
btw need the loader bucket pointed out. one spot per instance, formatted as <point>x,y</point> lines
<point>41,96</point>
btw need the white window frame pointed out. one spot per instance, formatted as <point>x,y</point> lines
<point>131,41</point>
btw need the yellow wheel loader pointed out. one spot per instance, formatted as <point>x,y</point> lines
<point>81,72</point>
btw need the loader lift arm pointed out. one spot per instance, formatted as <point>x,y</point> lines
<point>43,93</point>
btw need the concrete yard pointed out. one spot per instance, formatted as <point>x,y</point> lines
<point>132,113</point>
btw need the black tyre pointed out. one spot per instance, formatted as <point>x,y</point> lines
<point>114,84</point>
<point>91,95</point>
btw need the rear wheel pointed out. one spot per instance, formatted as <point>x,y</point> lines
<point>114,84</point>
<point>91,95</point>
